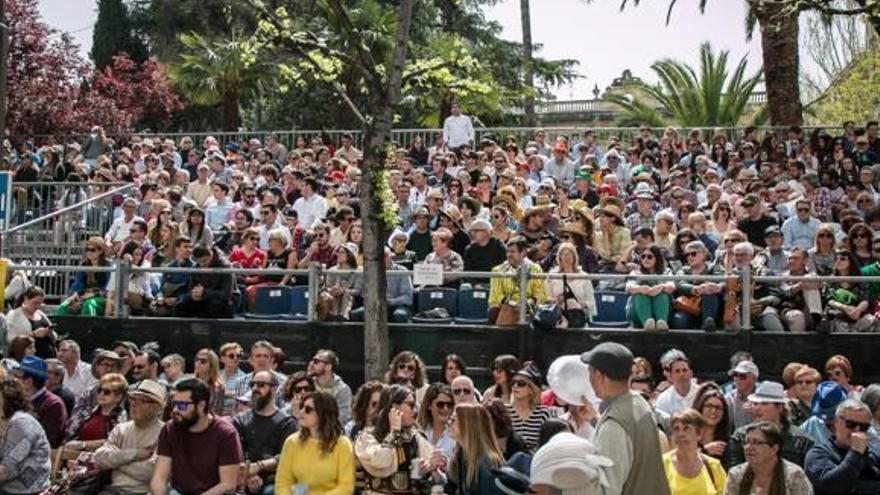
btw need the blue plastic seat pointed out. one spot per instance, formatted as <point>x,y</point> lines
<point>273,301</point>
<point>473,306</point>
<point>299,302</point>
<point>436,297</point>
<point>611,309</point>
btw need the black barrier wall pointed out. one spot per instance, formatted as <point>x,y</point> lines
<point>478,345</point>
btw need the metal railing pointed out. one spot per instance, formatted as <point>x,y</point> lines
<point>53,242</point>
<point>32,200</point>
<point>315,273</point>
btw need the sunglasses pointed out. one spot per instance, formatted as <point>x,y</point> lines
<point>714,407</point>
<point>740,376</point>
<point>647,256</point>
<point>444,404</point>
<point>691,254</point>
<point>233,356</point>
<point>520,383</point>
<point>91,250</point>
<point>803,209</point>
<point>462,391</point>
<point>407,367</point>
<point>302,389</point>
<point>107,391</point>
<point>181,405</point>
<point>856,425</point>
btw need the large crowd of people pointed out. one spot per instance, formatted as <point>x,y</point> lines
<point>767,202</point>
<point>130,421</point>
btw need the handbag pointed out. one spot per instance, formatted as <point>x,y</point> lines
<point>508,315</point>
<point>574,317</point>
<point>547,316</point>
<point>689,305</point>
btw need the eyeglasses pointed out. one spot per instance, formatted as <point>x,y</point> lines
<point>406,366</point>
<point>462,391</point>
<point>107,391</point>
<point>181,405</point>
<point>201,360</point>
<point>308,409</point>
<point>520,383</point>
<point>260,384</point>
<point>856,425</point>
<point>803,209</point>
<point>444,404</point>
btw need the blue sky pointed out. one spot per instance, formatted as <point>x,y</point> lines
<point>597,34</point>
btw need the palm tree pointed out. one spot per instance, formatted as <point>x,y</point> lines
<point>225,72</point>
<point>712,97</point>
<point>528,61</point>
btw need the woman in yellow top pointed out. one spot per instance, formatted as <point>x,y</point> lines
<point>688,471</point>
<point>318,459</point>
<point>613,238</point>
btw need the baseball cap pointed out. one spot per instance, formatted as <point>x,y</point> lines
<point>612,359</point>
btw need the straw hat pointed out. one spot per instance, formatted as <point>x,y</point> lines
<point>574,228</point>
<point>452,213</point>
<point>506,200</point>
<point>613,210</point>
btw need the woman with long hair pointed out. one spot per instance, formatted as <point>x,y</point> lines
<point>319,456</point>
<point>476,451</point>
<point>508,441</point>
<point>847,306</point>
<point>196,228</point>
<point>499,220</point>
<point>722,216</point>
<point>822,253</point>
<point>89,289</point>
<point>28,320</point>
<point>526,411</point>
<point>765,471</point>
<point>453,366</point>
<point>651,298</point>
<point>164,243</point>
<point>408,369</point>
<point>859,240</point>
<point>207,369</point>
<point>434,416</point>
<point>24,453</point>
<point>503,369</point>
<point>339,290</point>
<point>395,456</point>
<point>573,296</point>
<point>689,471</point>
<point>716,430</point>
<point>365,405</point>
<point>139,291</point>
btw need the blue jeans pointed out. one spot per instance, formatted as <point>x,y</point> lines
<point>709,306</point>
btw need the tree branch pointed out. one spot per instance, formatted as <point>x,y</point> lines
<point>362,53</point>
<point>416,73</point>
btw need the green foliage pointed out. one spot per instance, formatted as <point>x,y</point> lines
<point>636,112</point>
<point>710,97</point>
<point>114,33</point>
<point>855,95</point>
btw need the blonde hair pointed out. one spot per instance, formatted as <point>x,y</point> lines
<point>476,438</point>
<point>115,381</point>
<point>212,378</point>
<point>567,247</point>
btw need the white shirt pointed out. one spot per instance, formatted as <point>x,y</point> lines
<point>311,211</point>
<point>669,402</point>
<point>458,130</point>
<point>81,381</point>
<point>120,229</point>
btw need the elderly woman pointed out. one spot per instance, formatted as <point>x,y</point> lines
<point>442,254</point>
<point>765,471</point>
<point>527,414</point>
<point>87,432</point>
<point>838,369</point>
<point>697,302</point>
<point>573,296</point>
<point>689,471</point>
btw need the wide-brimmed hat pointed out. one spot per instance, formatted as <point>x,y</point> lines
<point>480,224</point>
<point>612,210</point>
<point>507,173</point>
<point>568,463</point>
<point>508,201</point>
<point>768,393</point>
<point>452,212</point>
<point>150,389</point>
<point>32,366</point>
<point>398,232</point>
<point>421,211</point>
<point>745,367</point>
<point>574,228</point>
<point>535,210</point>
<point>569,379</point>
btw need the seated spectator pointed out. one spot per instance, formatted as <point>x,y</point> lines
<point>24,453</point>
<point>509,443</point>
<point>505,291</point>
<point>419,236</point>
<point>398,291</point>
<point>340,290</point>
<point>364,408</point>
<point>28,320</point>
<point>207,369</point>
<point>766,465</point>
<point>846,303</point>
<point>262,430</point>
<point>209,295</point>
<point>484,252</point>
<point>322,369</point>
<point>219,208</point>
<point>801,394</point>
<point>89,289</point>
<point>687,469</point>
<point>450,219</point>
<point>297,385</point>
<point>131,445</point>
<point>711,405</point>
<point>838,369</point>
<point>433,418</point>
<point>820,426</point>
<point>651,300</point>
<point>612,238</point>
<point>47,407</point>
<point>195,228</point>
<point>400,255</point>
<point>248,255</point>
<point>464,391</point>
<point>121,227</point>
<point>801,301</point>
<point>442,254</point>
<point>847,461</point>
<point>194,429</point>
<point>16,283</point>
<point>139,293</point>
<point>85,433</point>
<point>706,293</point>
<point>320,250</point>
<point>683,392</point>
<point>55,384</point>
<point>174,285</point>
<point>525,411</point>
<point>822,253</point>
<point>318,456</point>
<point>573,296</point>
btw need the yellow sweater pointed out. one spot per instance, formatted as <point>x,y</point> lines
<point>323,474</point>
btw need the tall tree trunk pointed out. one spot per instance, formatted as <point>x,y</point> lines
<point>231,115</point>
<point>528,64</point>
<point>779,44</point>
<point>4,66</point>
<point>383,97</point>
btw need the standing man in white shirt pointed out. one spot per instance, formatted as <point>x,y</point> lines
<point>458,130</point>
<point>78,376</point>
<point>311,207</point>
<point>681,395</point>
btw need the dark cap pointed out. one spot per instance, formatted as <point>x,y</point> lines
<point>772,230</point>
<point>750,199</point>
<point>612,359</point>
<point>531,372</point>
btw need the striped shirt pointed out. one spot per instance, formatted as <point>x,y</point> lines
<point>529,429</point>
